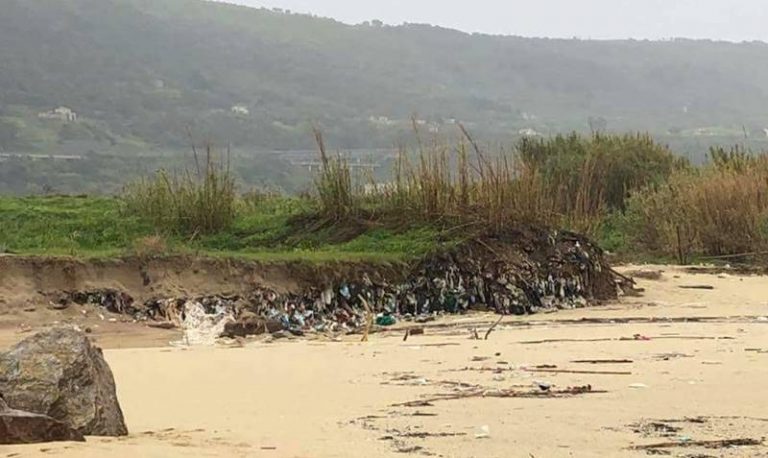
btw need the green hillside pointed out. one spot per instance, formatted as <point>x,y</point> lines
<point>147,72</point>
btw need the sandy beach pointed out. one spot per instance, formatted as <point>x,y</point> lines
<point>680,366</point>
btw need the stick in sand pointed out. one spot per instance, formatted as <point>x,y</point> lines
<point>566,371</point>
<point>490,330</point>
<point>368,319</point>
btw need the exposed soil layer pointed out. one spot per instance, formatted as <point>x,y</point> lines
<point>28,281</point>
<point>515,273</point>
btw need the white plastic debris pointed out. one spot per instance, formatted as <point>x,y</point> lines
<point>201,328</point>
<point>483,432</point>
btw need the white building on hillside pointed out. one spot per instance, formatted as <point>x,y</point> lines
<point>62,114</point>
<point>528,132</point>
<point>241,110</point>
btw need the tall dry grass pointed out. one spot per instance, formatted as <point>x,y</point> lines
<point>568,181</point>
<point>336,191</point>
<point>718,209</point>
<point>200,201</point>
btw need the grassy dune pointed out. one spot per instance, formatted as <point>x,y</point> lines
<point>100,227</point>
<point>634,196</point>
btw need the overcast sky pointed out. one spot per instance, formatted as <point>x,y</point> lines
<point>733,20</point>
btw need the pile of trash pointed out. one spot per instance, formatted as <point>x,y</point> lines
<point>521,272</point>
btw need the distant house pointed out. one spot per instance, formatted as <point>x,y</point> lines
<point>62,114</point>
<point>528,132</point>
<point>381,121</point>
<point>241,110</point>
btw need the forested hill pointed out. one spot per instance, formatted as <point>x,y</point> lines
<point>149,71</point>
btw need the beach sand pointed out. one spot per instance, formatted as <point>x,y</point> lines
<point>319,398</point>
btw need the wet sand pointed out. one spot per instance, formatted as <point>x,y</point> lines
<point>335,399</point>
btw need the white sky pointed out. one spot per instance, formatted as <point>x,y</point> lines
<point>733,20</point>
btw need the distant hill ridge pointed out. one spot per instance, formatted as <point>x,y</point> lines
<point>153,70</point>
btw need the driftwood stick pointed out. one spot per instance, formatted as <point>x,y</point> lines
<point>446,344</point>
<point>368,318</point>
<point>568,392</point>
<point>629,280</point>
<point>545,341</point>
<point>626,339</point>
<point>603,361</point>
<point>713,444</point>
<point>567,371</point>
<point>490,330</point>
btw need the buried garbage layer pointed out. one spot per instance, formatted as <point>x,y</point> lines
<point>518,272</point>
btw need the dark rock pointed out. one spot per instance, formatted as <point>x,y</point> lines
<point>60,374</point>
<point>59,305</point>
<point>19,427</point>
<point>162,325</point>
<point>250,324</point>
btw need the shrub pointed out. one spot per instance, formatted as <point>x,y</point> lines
<point>567,181</point>
<point>203,202</point>
<point>334,185</point>
<point>611,167</point>
<point>720,209</point>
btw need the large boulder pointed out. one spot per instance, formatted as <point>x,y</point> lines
<point>19,427</point>
<point>59,373</point>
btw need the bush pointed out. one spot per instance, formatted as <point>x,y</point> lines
<point>199,203</point>
<point>719,209</point>
<point>334,186</point>
<point>566,181</point>
<point>611,166</point>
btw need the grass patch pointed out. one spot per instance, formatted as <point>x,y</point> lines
<point>67,225</point>
<point>201,201</point>
<point>92,227</point>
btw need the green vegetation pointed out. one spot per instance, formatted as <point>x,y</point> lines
<point>99,227</point>
<point>631,194</point>
<point>718,209</point>
<point>616,165</point>
<point>67,225</point>
<point>571,182</point>
<point>142,71</point>
<point>142,74</point>
<point>196,202</point>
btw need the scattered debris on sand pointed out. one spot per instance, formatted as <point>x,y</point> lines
<point>710,444</point>
<point>503,393</point>
<point>680,433</point>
